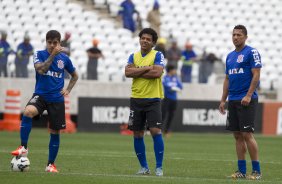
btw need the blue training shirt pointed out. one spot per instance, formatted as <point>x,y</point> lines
<point>159,59</point>
<point>24,50</point>
<point>169,82</point>
<point>51,83</point>
<point>239,67</point>
<point>5,50</point>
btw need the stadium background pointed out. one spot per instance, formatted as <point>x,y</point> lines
<point>109,157</point>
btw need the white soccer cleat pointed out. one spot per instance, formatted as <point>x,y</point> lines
<point>51,168</point>
<point>143,171</point>
<point>159,171</point>
<point>20,151</point>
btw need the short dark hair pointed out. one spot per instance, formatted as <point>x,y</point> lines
<point>149,31</point>
<point>170,67</point>
<point>243,28</point>
<point>53,34</point>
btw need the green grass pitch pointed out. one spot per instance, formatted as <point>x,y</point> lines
<point>109,158</point>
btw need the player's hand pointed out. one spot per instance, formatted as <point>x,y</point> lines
<point>246,101</point>
<point>130,66</point>
<point>222,108</point>
<point>57,50</point>
<point>65,92</point>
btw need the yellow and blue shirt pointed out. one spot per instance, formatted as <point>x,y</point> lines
<point>142,87</point>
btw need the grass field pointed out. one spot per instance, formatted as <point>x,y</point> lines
<point>109,158</point>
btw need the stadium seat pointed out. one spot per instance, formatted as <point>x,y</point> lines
<point>204,23</point>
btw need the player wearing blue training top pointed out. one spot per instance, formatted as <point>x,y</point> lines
<point>242,79</point>
<point>48,95</point>
<point>172,85</point>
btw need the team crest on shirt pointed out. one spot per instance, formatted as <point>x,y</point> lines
<point>61,64</point>
<point>240,58</point>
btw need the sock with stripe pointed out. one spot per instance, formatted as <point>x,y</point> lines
<point>139,147</point>
<point>159,150</point>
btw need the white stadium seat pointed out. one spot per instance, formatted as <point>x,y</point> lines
<point>207,24</point>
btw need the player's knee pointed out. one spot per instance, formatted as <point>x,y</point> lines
<point>238,136</point>
<point>54,131</point>
<point>155,131</point>
<point>138,134</point>
<point>247,135</point>
<point>30,112</point>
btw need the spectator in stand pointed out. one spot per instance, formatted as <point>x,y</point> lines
<point>172,85</point>
<point>126,12</point>
<point>153,17</point>
<point>188,58</point>
<point>93,56</point>
<point>173,54</point>
<point>66,44</point>
<point>161,46</point>
<point>5,50</point>
<point>24,51</point>
<point>206,66</point>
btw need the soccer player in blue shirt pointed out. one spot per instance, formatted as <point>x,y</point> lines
<point>48,95</point>
<point>5,50</point>
<point>172,85</point>
<point>24,51</point>
<point>242,79</point>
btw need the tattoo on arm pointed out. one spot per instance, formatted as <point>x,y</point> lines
<point>44,66</point>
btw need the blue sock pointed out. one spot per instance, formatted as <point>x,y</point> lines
<point>159,149</point>
<point>242,166</point>
<point>25,130</point>
<point>256,166</point>
<point>139,147</point>
<point>53,147</point>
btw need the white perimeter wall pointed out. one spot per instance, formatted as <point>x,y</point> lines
<point>86,88</point>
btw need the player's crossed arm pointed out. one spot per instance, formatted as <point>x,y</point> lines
<point>131,71</point>
<point>155,72</point>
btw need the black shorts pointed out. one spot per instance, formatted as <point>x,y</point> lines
<point>144,113</point>
<point>169,105</point>
<point>241,118</point>
<point>56,111</point>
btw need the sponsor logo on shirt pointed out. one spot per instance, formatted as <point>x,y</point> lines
<point>240,58</point>
<point>235,71</point>
<point>256,57</point>
<point>54,74</point>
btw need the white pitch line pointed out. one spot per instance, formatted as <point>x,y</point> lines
<point>146,176</point>
<point>120,155</point>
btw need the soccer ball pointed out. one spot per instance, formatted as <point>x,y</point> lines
<point>20,164</point>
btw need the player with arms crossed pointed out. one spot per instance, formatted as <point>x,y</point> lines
<point>48,95</point>
<point>146,68</point>
<point>242,79</point>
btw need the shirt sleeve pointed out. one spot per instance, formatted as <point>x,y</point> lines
<point>130,59</point>
<point>37,58</point>
<point>179,84</point>
<point>69,66</point>
<point>226,69</point>
<point>255,59</point>
<point>159,59</point>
